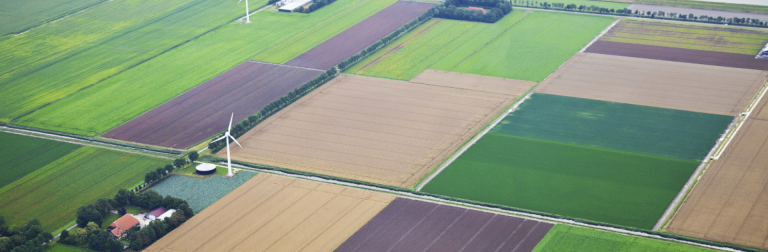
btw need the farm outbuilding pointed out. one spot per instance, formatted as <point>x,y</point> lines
<point>293,6</point>
<point>117,229</point>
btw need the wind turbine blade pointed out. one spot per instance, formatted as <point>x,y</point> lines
<point>238,2</point>
<point>230,121</point>
<point>219,138</point>
<point>238,144</point>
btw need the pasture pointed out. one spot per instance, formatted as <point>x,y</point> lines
<point>127,95</point>
<point>274,213</point>
<point>53,193</point>
<point>200,193</point>
<point>22,155</point>
<point>412,225</point>
<point>19,15</point>
<point>655,83</point>
<point>375,130</point>
<point>568,238</point>
<point>65,248</point>
<point>570,180</point>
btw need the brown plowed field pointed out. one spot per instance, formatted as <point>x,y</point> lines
<point>656,83</point>
<point>474,82</point>
<point>376,130</point>
<point>761,111</point>
<point>274,213</point>
<point>205,110</point>
<point>679,55</point>
<point>358,37</point>
<point>730,202</point>
<point>412,225</point>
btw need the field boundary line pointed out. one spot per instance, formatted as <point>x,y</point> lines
<point>527,13</point>
<point>743,116</point>
<point>474,140</point>
<point>63,16</point>
<point>600,35</point>
<point>476,207</point>
<point>275,64</point>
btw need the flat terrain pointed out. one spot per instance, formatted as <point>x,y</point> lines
<point>412,225</point>
<point>65,248</point>
<point>568,238</point>
<point>358,37</point>
<point>678,55</point>
<point>19,15</point>
<point>114,101</point>
<point>617,126</point>
<point>273,213</point>
<point>53,193</point>
<point>375,130</point>
<point>688,36</point>
<point>22,155</point>
<point>204,111</point>
<point>729,203</point>
<point>200,193</point>
<point>473,82</point>
<point>570,180</point>
<point>655,83</point>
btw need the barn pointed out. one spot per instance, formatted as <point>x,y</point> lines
<point>293,6</point>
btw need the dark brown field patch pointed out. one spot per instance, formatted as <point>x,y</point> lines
<point>412,225</point>
<point>358,37</point>
<point>205,110</point>
<point>678,55</point>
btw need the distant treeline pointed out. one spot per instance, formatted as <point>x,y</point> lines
<point>29,237</point>
<point>458,9</point>
<point>314,6</point>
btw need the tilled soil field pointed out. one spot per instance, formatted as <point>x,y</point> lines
<point>474,82</point>
<point>358,37</point>
<point>656,83</point>
<point>273,213</point>
<point>369,129</point>
<point>412,225</point>
<point>679,55</point>
<point>730,202</point>
<point>205,110</point>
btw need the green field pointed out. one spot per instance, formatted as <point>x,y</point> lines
<point>201,193</point>
<point>575,181</point>
<point>19,15</point>
<point>96,110</point>
<point>53,193</point>
<point>65,248</point>
<point>702,5</point>
<point>22,155</point>
<point>617,126</point>
<point>567,238</point>
<point>25,90</point>
<point>688,36</point>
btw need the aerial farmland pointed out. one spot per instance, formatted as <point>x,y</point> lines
<point>383,125</point>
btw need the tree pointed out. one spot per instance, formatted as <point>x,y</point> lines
<point>160,171</point>
<point>179,162</point>
<point>103,205</point>
<point>98,240</point>
<point>63,237</point>
<point>123,197</point>
<point>87,214</point>
<point>149,199</point>
<point>114,245</point>
<point>193,156</point>
<point>169,168</point>
<point>92,228</point>
<point>80,237</point>
<point>188,213</point>
<point>136,245</point>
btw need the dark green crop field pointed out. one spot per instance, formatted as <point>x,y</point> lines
<point>22,155</point>
<point>576,181</point>
<point>617,126</point>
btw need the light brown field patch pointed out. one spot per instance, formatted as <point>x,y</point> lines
<point>730,202</point>
<point>369,129</point>
<point>656,83</point>
<point>474,82</point>
<point>274,213</point>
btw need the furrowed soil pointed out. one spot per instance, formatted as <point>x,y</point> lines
<point>274,213</point>
<point>375,130</point>
<point>474,82</point>
<point>688,36</point>
<point>203,111</point>
<point>412,225</point>
<point>358,37</point>
<point>730,202</point>
<point>23,155</point>
<point>656,83</point>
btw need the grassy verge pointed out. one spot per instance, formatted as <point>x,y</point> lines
<point>569,238</point>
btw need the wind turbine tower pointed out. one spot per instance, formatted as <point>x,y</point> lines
<point>227,136</point>
<point>247,15</point>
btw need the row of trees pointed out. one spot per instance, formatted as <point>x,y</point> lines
<point>93,237</point>
<point>316,5</point>
<point>162,172</point>
<point>457,9</point>
<point>30,237</point>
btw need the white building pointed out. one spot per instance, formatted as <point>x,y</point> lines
<point>292,6</point>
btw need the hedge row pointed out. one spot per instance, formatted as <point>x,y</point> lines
<point>456,9</point>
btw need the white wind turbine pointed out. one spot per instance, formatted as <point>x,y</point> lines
<point>247,17</point>
<point>228,136</point>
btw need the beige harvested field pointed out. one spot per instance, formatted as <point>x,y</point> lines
<point>656,83</point>
<point>730,202</point>
<point>274,213</point>
<point>761,110</point>
<point>369,129</point>
<point>474,82</point>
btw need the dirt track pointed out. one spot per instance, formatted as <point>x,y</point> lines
<point>274,213</point>
<point>474,82</point>
<point>656,83</point>
<point>370,129</point>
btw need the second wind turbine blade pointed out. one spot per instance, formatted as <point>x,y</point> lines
<point>219,138</point>
<point>238,144</point>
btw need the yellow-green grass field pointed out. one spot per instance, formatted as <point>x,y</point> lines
<point>25,90</point>
<point>22,155</point>
<point>567,238</point>
<point>19,15</point>
<point>65,248</point>
<point>109,104</point>
<point>523,45</point>
<point>570,180</point>
<point>53,193</point>
<point>688,36</point>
